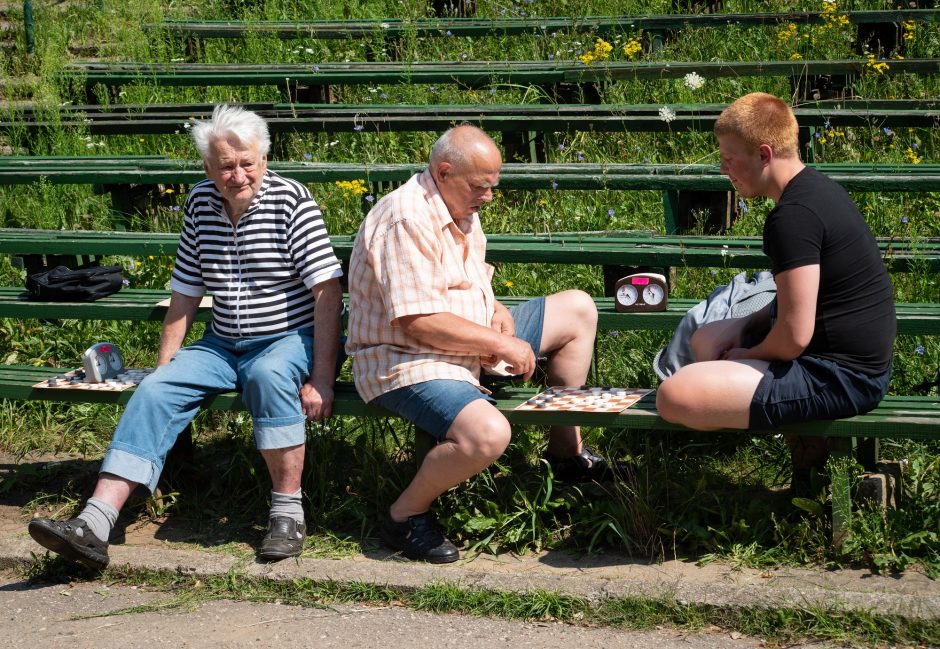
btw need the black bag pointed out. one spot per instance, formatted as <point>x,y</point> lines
<point>62,284</point>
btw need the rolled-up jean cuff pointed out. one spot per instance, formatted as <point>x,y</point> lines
<point>131,467</point>
<point>280,432</point>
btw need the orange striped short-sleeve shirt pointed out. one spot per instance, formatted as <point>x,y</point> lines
<point>410,258</point>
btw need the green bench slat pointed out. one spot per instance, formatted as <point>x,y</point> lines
<point>598,25</point>
<point>114,171</point>
<point>141,305</point>
<point>508,118</point>
<point>910,417</point>
<point>562,248</point>
<point>466,72</point>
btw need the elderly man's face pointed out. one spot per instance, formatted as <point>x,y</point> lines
<point>236,169</point>
<point>465,190</point>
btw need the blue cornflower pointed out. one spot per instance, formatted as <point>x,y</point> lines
<point>615,334</point>
<point>580,156</point>
<point>817,135</point>
<point>915,145</point>
<point>308,156</point>
<point>448,33</point>
<point>611,212</point>
<point>904,219</point>
<point>383,96</point>
<point>826,123</point>
<point>919,350</point>
<point>561,147</point>
<point>369,197</point>
<point>357,127</point>
<point>175,208</point>
<point>887,131</point>
<point>554,184</point>
<point>316,68</point>
<point>713,271</point>
<point>743,206</point>
<point>492,91</point>
<point>551,57</point>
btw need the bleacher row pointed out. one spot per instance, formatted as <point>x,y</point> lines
<point>913,417</point>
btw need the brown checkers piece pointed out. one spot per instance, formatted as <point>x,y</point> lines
<point>585,399</point>
<point>75,380</point>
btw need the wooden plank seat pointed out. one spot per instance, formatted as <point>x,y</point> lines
<point>470,73</point>
<point>904,417</point>
<point>130,304</point>
<point>598,248</point>
<point>336,118</point>
<point>445,27</point>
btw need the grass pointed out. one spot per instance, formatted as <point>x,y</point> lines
<point>781,625</point>
<point>694,497</point>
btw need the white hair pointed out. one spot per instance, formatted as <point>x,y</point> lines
<point>228,121</point>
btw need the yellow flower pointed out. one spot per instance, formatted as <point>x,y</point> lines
<point>352,187</point>
<point>632,48</point>
<point>912,157</point>
<point>602,50</point>
<point>508,284</point>
<point>796,56</point>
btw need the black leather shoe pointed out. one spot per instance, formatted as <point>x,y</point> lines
<point>285,538</point>
<point>588,466</point>
<point>419,538</point>
<point>73,539</point>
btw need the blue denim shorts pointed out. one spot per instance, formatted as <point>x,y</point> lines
<point>810,388</point>
<point>432,406</point>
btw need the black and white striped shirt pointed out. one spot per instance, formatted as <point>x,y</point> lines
<point>259,271</point>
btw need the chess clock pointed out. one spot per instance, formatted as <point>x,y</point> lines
<point>641,292</point>
<point>102,361</point>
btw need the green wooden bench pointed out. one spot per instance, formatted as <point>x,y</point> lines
<point>394,28</point>
<point>895,417</point>
<point>529,122</point>
<point>115,175</point>
<point>311,82</point>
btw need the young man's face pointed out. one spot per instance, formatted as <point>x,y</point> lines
<point>236,169</point>
<point>744,165</point>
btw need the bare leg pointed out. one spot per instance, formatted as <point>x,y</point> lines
<point>568,336</point>
<point>113,490</point>
<point>286,467</point>
<point>711,395</point>
<point>477,437</point>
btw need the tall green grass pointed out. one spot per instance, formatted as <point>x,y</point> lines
<point>694,495</point>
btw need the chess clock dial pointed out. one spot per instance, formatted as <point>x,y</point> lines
<point>641,292</point>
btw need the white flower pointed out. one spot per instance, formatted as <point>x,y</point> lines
<point>694,81</point>
<point>667,114</point>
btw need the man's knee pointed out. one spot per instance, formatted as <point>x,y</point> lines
<point>671,402</point>
<point>580,307</point>
<point>481,435</point>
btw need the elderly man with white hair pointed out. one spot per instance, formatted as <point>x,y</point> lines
<point>256,241</point>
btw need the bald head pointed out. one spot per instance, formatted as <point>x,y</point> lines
<point>465,164</point>
<point>464,146</point>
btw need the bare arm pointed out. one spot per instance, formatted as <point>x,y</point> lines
<point>316,394</point>
<point>449,332</point>
<point>797,290</point>
<point>176,324</point>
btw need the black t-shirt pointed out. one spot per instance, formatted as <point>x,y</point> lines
<point>816,222</point>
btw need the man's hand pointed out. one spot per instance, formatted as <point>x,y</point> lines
<point>316,401</point>
<point>502,321</point>
<point>518,355</point>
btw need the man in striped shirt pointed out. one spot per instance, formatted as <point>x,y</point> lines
<point>256,242</point>
<point>423,322</point>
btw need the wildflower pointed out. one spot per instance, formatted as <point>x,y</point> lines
<point>611,212</point>
<point>742,206</point>
<point>352,187</point>
<point>448,33</point>
<point>909,27</point>
<point>601,52</point>
<point>693,81</point>
<point>175,208</point>
<point>554,184</point>
<point>169,190</point>
<point>667,114</point>
<point>904,219</point>
<point>308,156</point>
<point>357,127</point>
<point>880,67</point>
<point>632,48</point>
<point>614,334</point>
<point>919,350</point>
<point>140,139</point>
<point>787,33</point>
<point>508,284</point>
<point>492,91</point>
<point>464,55</point>
<point>580,156</point>
<point>796,56</point>
<point>561,147</point>
<point>369,198</point>
<point>316,68</point>
<point>308,50</point>
<point>713,271</point>
<point>912,157</point>
<point>551,57</point>
<point>887,131</point>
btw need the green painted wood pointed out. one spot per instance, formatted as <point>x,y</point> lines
<point>908,417</point>
<point>326,118</point>
<point>466,72</point>
<point>141,305</point>
<point>563,248</point>
<point>446,27</point>
<point>117,171</point>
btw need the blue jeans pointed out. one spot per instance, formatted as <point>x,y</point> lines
<point>269,372</point>
<point>433,405</point>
